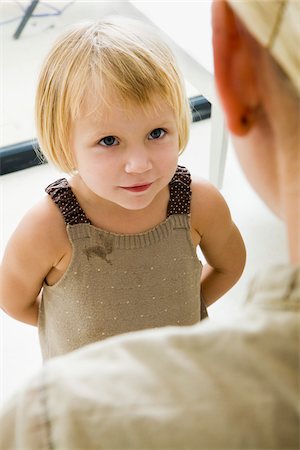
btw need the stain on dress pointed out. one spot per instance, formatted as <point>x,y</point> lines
<point>100,251</point>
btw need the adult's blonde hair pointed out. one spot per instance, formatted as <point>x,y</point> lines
<point>275,24</point>
<point>115,53</point>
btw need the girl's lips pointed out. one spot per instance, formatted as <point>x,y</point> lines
<point>139,188</point>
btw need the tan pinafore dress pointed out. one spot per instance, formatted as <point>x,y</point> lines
<point>118,283</point>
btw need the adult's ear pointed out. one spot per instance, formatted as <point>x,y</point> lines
<point>235,60</point>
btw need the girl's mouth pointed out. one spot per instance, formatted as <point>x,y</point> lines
<point>138,188</point>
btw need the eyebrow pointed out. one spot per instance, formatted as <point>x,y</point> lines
<point>98,126</point>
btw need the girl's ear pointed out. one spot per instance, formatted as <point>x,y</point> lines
<point>235,68</point>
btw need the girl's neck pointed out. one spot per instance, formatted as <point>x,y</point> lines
<point>114,218</point>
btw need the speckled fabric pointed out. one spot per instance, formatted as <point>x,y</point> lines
<point>180,192</point>
<point>118,283</point>
<point>179,203</point>
<point>62,194</point>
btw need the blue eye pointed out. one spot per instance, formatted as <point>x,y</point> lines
<point>108,141</point>
<point>157,133</point>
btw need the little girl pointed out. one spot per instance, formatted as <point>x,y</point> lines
<point>113,249</point>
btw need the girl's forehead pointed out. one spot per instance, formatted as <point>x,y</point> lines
<point>108,104</point>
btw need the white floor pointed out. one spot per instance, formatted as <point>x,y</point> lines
<point>262,232</point>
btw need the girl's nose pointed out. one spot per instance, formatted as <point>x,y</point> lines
<point>137,161</point>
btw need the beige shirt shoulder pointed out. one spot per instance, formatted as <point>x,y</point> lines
<point>233,385</point>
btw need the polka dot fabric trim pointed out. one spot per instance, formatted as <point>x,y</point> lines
<point>180,192</point>
<point>63,196</point>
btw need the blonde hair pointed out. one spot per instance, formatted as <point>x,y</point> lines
<point>275,24</point>
<point>118,53</point>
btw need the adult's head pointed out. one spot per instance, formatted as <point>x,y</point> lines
<point>114,54</point>
<point>257,69</point>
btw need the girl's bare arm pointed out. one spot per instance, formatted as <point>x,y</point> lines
<point>30,255</point>
<point>220,241</point>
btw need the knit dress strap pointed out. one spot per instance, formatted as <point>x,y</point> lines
<point>180,192</point>
<point>61,193</point>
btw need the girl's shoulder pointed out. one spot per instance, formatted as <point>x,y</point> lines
<point>42,227</point>
<point>38,243</point>
<point>207,205</point>
<point>44,216</point>
<point>205,196</point>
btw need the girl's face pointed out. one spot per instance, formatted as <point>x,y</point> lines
<point>125,157</point>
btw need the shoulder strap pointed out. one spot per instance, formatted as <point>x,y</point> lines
<point>61,193</point>
<point>180,192</point>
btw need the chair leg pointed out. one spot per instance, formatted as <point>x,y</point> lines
<point>218,146</point>
<point>26,17</point>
